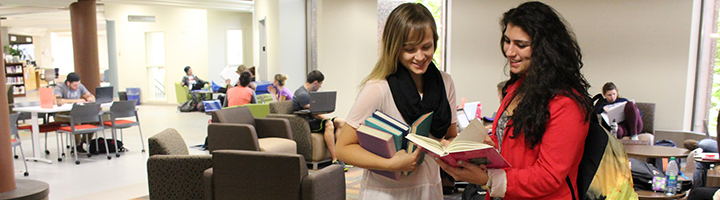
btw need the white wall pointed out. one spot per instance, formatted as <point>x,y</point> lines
<point>218,24</point>
<point>292,43</point>
<point>642,46</point>
<point>347,47</point>
<point>186,43</point>
<point>268,10</point>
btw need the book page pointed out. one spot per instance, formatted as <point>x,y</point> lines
<point>229,73</point>
<point>472,137</point>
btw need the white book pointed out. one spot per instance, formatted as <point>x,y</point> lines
<point>230,73</point>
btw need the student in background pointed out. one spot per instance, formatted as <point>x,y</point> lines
<point>633,125</point>
<point>241,94</point>
<point>190,79</point>
<point>329,126</point>
<point>404,84</point>
<point>281,93</point>
<point>544,118</point>
<point>73,92</point>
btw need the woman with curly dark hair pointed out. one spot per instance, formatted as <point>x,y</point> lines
<point>544,117</point>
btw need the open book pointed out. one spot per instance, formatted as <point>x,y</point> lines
<point>468,146</point>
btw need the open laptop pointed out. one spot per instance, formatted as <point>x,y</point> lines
<point>104,94</point>
<point>617,113</point>
<point>463,121</point>
<point>321,102</point>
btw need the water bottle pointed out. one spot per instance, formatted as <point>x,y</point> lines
<point>478,111</point>
<point>672,174</point>
<point>614,128</point>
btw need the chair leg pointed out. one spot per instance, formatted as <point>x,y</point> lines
<point>72,143</point>
<point>15,152</point>
<point>87,141</point>
<point>57,138</point>
<point>24,161</point>
<point>142,141</point>
<point>62,143</point>
<point>114,135</point>
<point>107,151</point>
<point>46,150</point>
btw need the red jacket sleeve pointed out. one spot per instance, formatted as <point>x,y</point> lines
<point>559,154</point>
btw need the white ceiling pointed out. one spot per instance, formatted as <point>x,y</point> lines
<point>36,17</point>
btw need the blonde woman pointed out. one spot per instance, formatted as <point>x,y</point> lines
<point>281,93</point>
<point>404,84</point>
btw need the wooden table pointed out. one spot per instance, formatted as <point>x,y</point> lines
<point>658,195</point>
<point>643,152</point>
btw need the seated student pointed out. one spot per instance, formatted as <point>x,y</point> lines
<point>190,80</point>
<point>241,94</point>
<point>329,126</point>
<point>281,93</point>
<point>632,126</point>
<point>73,92</point>
<point>240,69</point>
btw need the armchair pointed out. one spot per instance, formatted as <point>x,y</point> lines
<point>182,93</point>
<point>288,178</point>
<point>310,145</point>
<point>172,172</point>
<point>236,128</point>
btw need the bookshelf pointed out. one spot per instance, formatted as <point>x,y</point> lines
<point>15,76</point>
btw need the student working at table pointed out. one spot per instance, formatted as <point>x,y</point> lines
<point>73,92</point>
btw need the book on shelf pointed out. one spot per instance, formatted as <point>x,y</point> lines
<point>380,143</point>
<point>468,146</point>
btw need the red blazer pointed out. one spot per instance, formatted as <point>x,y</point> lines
<point>541,172</point>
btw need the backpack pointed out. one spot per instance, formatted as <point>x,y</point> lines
<point>603,172</point>
<point>188,106</point>
<point>101,146</point>
<point>643,174</point>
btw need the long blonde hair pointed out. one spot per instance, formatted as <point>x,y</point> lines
<point>281,78</point>
<point>408,19</point>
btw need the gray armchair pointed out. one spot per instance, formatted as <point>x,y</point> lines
<point>236,128</point>
<point>647,110</point>
<point>310,145</point>
<point>172,172</point>
<point>238,174</point>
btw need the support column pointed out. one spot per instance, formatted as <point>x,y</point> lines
<point>83,19</point>
<point>7,173</point>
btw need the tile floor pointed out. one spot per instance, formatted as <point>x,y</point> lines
<point>125,177</point>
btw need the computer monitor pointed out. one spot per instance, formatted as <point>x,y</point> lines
<point>104,94</point>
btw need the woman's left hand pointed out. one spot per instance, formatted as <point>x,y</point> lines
<point>467,172</point>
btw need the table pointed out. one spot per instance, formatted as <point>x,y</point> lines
<point>34,110</point>
<point>658,195</point>
<point>645,151</point>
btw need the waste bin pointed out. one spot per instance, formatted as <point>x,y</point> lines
<point>133,94</point>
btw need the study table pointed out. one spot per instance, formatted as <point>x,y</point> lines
<point>34,110</point>
<point>643,152</point>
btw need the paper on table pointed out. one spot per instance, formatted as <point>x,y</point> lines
<point>229,73</point>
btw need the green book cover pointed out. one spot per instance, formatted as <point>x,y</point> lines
<point>421,126</point>
<point>380,125</point>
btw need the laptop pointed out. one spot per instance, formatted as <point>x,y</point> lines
<point>321,102</point>
<point>104,94</point>
<point>198,86</point>
<point>617,113</point>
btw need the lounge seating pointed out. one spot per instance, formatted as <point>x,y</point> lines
<point>310,145</point>
<point>172,172</point>
<point>238,174</point>
<point>236,128</point>
<point>182,93</point>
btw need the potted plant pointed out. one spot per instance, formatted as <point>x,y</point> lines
<point>14,51</point>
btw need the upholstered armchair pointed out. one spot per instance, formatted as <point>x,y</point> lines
<point>236,128</point>
<point>238,175</point>
<point>310,145</point>
<point>172,172</point>
<point>182,93</point>
<point>647,110</point>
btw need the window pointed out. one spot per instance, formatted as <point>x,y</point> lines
<point>155,59</point>
<point>234,47</point>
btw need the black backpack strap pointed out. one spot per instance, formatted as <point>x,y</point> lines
<point>569,183</point>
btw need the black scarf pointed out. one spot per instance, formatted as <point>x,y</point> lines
<point>434,99</point>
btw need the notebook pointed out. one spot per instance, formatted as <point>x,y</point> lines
<point>104,94</point>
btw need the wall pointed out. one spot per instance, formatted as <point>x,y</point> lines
<point>642,46</point>
<point>292,43</point>
<point>347,47</point>
<point>268,10</point>
<point>186,44</point>
<point>218,24</point>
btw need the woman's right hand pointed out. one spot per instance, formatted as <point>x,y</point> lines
<point>271,89</point>
<point>403,161</point>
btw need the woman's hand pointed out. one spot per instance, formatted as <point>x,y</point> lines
<point>271,89</point>
<point>489,141</point>
<point>403,161</point>
<point>467,172</point>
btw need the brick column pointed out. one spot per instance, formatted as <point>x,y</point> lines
<point>85,42</point>
<point>7,168</point>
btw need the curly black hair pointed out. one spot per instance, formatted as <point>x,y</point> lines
<point>555,69</point>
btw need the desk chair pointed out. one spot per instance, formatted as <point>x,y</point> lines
<point>16,139</point>
<point>82,117</point>
<point>45,127</point>
<point>50,76</point>
<point>123,109</point>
